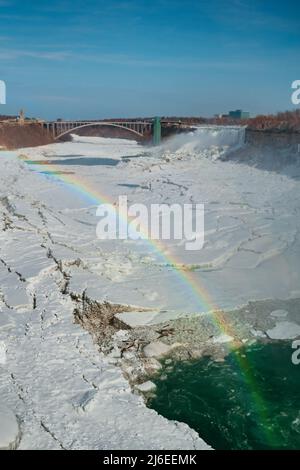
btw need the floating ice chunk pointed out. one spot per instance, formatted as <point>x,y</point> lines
<point>258,333</point>
<point>146,387</point>
<point>279,313</point>
<point>284,330</point>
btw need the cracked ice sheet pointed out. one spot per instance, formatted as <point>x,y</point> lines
<point>251,251</point>
<point>64,392</point>
<point>251,248</point>
<point>67,396</point>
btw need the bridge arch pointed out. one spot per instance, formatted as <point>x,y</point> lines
<point>90,124</point>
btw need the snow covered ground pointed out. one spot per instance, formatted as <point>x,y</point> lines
<point>64,392</point>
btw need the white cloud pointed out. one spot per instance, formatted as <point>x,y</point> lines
<point>12,54</point>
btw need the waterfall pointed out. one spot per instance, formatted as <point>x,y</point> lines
<point>233,136</point>
<point>206,137</point>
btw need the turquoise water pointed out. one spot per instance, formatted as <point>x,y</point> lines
<point>217,401</point>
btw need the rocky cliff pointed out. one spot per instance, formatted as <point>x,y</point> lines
<point>13,135</point>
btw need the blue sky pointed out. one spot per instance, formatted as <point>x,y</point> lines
<point>89,59</point>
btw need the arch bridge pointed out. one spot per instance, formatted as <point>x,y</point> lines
<point>60,128</point>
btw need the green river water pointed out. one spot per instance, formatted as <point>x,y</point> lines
<point>250,401</point>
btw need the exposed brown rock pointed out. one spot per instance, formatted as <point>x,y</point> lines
<point>14,135</point>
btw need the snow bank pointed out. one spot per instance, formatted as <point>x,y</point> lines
<point>9,429</point>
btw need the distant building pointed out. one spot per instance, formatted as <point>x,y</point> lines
<point>21,117</point>
<point>238,114</point>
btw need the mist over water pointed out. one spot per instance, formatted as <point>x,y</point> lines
<point>207,137</point>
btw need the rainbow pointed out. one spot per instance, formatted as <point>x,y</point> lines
<point>186,278</point>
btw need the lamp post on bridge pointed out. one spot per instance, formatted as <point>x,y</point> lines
<point>156,131</point>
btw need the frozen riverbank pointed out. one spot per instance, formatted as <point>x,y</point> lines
<point>66,394</point>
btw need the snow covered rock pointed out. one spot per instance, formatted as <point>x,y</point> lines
<point>152,365</point>
<point>156,349</point>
